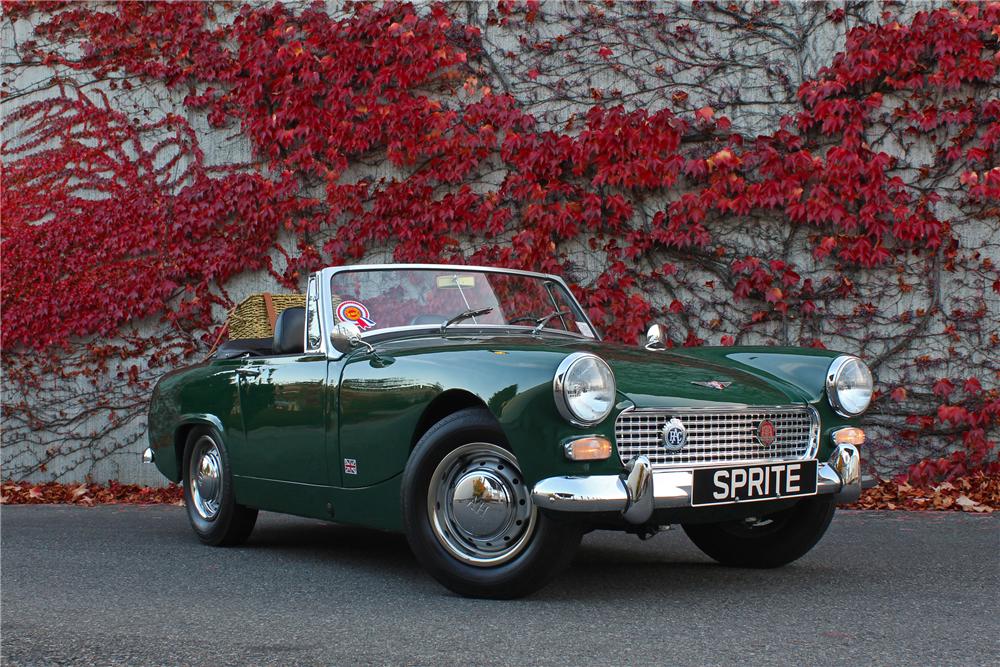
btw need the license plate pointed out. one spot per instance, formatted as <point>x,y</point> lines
<point>767,481</point>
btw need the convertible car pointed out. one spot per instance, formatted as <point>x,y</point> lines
<point>478,411</point>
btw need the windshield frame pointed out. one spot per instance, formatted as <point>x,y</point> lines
<point>327,274</point>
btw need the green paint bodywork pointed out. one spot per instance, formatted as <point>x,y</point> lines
<point>289,428</point>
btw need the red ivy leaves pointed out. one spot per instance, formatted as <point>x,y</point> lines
<point>106,230</point>
<point>316,96</point>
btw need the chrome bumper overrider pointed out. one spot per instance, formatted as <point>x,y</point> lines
<point>147,456</point>
<point>642,489</point>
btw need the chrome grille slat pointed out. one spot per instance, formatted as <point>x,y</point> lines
<point>728,436</point>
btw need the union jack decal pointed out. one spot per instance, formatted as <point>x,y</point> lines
<point>350,467</point>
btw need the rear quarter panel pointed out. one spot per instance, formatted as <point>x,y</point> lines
<point>206,394</point>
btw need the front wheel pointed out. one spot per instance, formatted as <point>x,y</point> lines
<point>468,513</point>
<point>767,541</point>
<point>211,504</point>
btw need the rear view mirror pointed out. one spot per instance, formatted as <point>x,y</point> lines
<point>446,282</point>
<point>345,337</point>
<point>656,337</point>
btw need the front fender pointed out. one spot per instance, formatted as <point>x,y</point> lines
<point>381,407</point>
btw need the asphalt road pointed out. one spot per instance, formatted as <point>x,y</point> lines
<point>131,585</point>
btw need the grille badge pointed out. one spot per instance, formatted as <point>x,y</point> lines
<point>674,435</point>
<point>712,384</point>
<point>766,433</point>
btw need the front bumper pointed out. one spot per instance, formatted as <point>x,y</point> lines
<point>641,489</point>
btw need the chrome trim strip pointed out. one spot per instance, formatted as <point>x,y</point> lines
<point>595,493</point>
<point>437,267</point>
<point>457,328</point>
<point>814,435</point>
<point>671,489</point>
<point>722,407</point>
<point>313,284</point>
<point>326,314</point>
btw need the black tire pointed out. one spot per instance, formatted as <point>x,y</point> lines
<point>231,524</point>
<point>541,549</point>
<point>770,541</point>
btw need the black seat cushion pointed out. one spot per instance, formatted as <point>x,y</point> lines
<point>289,331</point>
<point>237,347</point>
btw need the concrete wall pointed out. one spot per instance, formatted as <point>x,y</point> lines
<point>755,85</point>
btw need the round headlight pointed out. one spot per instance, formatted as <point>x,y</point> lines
<point>584,389</point>
<point>849,386</point>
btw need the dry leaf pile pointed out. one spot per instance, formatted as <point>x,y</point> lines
<point>26,493</point>
<point>979,492</point>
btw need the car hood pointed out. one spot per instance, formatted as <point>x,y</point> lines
<point>668,378</point>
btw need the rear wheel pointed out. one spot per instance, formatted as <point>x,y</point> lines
<point>766,541</point>
<point>468,513</point>
<point>208,492</point>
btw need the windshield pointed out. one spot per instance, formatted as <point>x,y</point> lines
<point>378,299</point>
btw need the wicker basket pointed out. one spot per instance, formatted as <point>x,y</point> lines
<point>254,317</point>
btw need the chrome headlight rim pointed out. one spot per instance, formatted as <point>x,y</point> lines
<point>833,377</point>
<point>559,386</point>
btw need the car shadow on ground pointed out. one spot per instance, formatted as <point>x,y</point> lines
<point>665,564</point>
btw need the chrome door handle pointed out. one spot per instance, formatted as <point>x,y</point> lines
<point>248,372</point>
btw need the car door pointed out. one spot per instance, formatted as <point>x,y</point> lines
<point>284,404</point>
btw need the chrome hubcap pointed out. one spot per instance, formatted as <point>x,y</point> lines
<point>206,477</point>
<point>479,507</point>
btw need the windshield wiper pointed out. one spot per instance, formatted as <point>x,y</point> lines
<point>542,321</point>
<point>464,315</point>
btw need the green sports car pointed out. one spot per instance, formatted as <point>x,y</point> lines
<point>477,411</point>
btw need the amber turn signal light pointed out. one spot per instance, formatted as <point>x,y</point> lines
<point>591,448</point>
<point>849,436</point>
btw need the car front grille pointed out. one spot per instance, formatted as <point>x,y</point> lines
<point>718,436</point>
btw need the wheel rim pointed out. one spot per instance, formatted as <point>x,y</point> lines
<point>479,506</point>
<point>206,478</point>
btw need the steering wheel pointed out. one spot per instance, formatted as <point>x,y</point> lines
<point>523,318</point>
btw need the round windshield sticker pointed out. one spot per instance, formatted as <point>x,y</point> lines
<point>355,311</point>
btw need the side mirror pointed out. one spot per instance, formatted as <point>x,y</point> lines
<point>656,337</point>
<point>345,337</point>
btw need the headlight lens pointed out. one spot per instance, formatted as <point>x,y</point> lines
<point>584,389</point>
<point>849,386</point>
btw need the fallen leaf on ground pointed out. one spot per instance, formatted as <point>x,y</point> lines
<point>26,493</point>
<point>978,492</point>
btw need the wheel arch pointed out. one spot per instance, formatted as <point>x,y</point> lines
<point>446,403</point>
<point>184,427</point>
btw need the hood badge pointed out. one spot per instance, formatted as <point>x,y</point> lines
<point>674,435</point>
<point>712,384</point>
